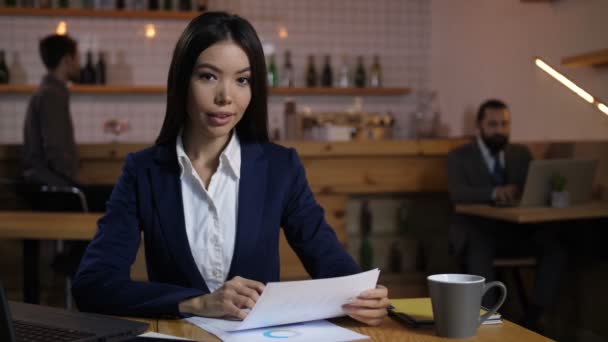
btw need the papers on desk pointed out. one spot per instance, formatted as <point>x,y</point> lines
<point>296,301</point>
<point>309,331</point>
<point>161,337</point>
<point>299,301</point>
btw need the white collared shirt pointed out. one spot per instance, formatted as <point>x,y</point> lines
<point>211,214</point>
<point>490,160</point>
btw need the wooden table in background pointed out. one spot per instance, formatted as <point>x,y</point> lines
<point>390,330</point>
<point>536,214</point>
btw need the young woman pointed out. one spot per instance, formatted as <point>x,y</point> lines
<point>211,196</point>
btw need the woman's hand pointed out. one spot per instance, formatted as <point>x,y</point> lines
<point>227,301</point>
<point>370,306</point>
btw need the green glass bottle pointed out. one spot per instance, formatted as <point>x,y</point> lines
<point>168,5</point>
<point>273,76</point>
<point>360,77</point>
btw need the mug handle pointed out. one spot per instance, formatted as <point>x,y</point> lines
<point>496,306</point>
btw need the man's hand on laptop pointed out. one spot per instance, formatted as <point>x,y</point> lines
<point>229,301</point>
<point>370,306</point>
<point>507,193</point>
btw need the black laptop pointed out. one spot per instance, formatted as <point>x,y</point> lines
<point>40,323</point>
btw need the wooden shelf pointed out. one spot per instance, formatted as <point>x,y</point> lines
<point>77,12</point>
<point>340,91</point>
<point>128,89</point>
<point>87,89</point>
<point>593,58</point>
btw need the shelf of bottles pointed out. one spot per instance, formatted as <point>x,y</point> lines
<point>151,89</point>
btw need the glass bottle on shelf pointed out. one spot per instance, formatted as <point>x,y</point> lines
<point>88,72</point>
<point>288,79</point>
<point>100,70</point>
<point>10,3</point>
<point>375,73</point>
<point>344,74</point>
<point>311,72</point>
<point>120,4</point>
<point>168,5</point>
<point>273,76</point>
<point>63,3</point>
<point>153,5</point>
<point>327,74</point>
<point>360,73</point>
<point>4,73</point>
<point>185,5</point>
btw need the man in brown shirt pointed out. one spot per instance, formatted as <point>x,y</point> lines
<point>49,148</point>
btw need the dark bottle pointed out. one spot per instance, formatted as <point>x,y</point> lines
<point>168,5</point>
<point>88,72</point>
<point>4,74</point>
<point>201,5</point>
<point>366,251</point>
<point>311,72</point>
<point>185,5</point>
<point>360,73</point>
<point>375,73</point>
<point>11,3</point>
<point>288,79</point>
<point>327,77</point>
<point>153,5</point>
<point>64,3</point>
<point>272,74</point>
<point>120,4</point>
<point>100,70</point>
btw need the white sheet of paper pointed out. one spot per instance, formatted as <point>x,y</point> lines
<point>160,336</point>
<point>298,301</point>
<point>309,331</point>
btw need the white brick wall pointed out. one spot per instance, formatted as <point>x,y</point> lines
<point>397,30</point>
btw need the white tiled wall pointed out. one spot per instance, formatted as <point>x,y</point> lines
<point>397,30</point>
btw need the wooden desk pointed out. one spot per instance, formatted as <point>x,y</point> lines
<point>536,214</point>
<point>389,330</point>
<point>48,225</point>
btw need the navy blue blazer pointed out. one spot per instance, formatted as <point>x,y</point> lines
<point>273,193</point>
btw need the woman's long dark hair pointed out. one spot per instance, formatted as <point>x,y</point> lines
<point>202,32</point>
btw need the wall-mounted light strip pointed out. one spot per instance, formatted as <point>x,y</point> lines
<point>571,85</point>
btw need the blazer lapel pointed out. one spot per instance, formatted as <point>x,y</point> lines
<point>167,194</point>
<point>252,192</point>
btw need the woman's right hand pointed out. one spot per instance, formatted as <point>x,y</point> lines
<point>227,301</point>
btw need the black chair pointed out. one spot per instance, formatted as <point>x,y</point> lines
<point>68,253</point>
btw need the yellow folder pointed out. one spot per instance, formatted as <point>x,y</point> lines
<point>419,311</point>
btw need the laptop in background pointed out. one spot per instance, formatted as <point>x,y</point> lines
<point>27,322</point>
<point>579,174</point>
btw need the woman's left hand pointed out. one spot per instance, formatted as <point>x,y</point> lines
<point>370,306</point>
